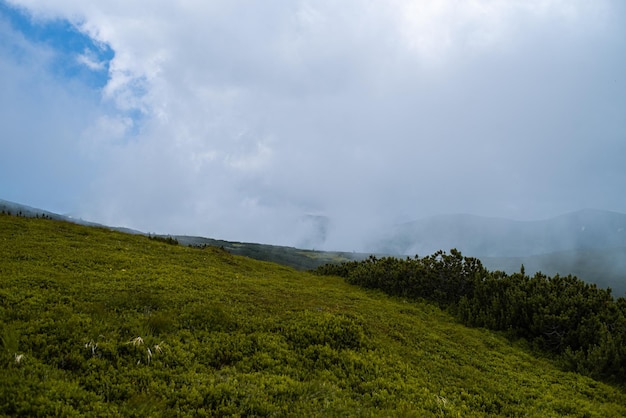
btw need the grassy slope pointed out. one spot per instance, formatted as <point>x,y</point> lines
<point>238,336</point>
<point>297,258</point>
<point>603,267</point>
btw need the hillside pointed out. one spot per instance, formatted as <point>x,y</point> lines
<point>101,323</point>
<point>300,259</point>
<point>296,258</point>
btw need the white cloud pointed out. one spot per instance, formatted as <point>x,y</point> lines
<point>238,118</point>
<point>89,59</point>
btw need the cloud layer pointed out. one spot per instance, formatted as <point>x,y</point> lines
<point>317,123</point>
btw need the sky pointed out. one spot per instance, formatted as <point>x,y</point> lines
<point>316,124</point>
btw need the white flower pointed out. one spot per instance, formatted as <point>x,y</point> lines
<point>91,344</point>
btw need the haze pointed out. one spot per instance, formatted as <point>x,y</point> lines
<point>311,123</point>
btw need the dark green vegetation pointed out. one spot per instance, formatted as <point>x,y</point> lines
<point>605,267</point>
<point>590,244</point>
<point>580,323</point>
<point>100,323</point>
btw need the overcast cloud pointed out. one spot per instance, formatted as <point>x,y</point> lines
<point>239,120</point>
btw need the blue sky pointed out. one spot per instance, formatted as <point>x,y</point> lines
<point>270,122</point>
<point>77,56</point>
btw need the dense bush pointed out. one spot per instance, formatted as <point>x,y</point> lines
<point>579,322</point>
<point>166,239</point>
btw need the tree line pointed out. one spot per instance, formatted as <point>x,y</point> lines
<point>579,323</point>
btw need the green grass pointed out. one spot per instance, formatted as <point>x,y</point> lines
<point>230,336</point>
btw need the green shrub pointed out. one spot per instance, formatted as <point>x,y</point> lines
<point>160,323</point>
<point>208,317</point>
<point>322,328</point>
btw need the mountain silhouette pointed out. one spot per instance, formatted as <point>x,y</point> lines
<point>496,237</point>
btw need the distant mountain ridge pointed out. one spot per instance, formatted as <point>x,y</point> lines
<point>590,244</point>
<point>497,237</point>
<point>604,267</point>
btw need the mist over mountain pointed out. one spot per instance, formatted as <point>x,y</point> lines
<point>589,244</point>
<point>495,237</point>
<point>473,235</point>
<point>315,231</point>
<point>604,267</point>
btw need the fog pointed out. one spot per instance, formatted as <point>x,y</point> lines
<point>316,124</point>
